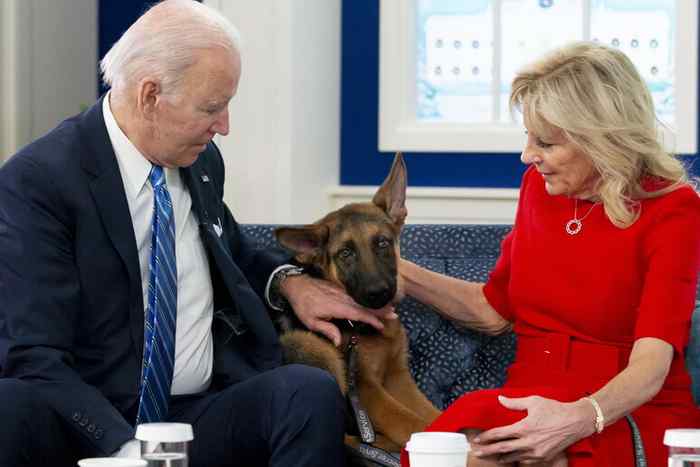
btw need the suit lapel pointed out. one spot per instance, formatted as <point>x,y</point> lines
<point>107,189</point>
<point>247,304</point>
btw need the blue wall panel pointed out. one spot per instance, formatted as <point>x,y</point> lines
<point>113,19</point>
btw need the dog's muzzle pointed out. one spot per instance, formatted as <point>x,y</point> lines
<point>375,297</point>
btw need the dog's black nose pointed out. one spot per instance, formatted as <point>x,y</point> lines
<point>378,297</point>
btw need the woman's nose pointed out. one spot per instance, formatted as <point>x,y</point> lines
<point>530,156</point>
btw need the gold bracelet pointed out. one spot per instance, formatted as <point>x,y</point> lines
<point>599,419</point>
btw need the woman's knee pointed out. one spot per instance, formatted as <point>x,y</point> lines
<point>474,461</point>
<point>559,461</point>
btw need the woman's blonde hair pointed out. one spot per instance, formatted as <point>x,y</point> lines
<point>595,95</point>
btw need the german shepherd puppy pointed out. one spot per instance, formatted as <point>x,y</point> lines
<point>357,248</point>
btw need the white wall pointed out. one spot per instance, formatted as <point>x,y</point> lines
<point>283,149</point>
<point>49,66</point>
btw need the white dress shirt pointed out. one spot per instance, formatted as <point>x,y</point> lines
<point>194,344</point>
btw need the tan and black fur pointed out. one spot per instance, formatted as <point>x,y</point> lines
<point>357,248</point>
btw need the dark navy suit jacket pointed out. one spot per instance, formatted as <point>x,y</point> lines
<point>71,306</point>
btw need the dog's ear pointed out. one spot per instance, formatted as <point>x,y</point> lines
<point>306,241</point>
<point>391,196</point>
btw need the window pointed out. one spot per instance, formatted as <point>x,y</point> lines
<point>446,65</point>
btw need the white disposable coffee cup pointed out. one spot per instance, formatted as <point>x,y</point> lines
<point>683,446</point>
<point>112,462</point>
<point>437,449</point>
<point>165,441</point>
<point>165,432</point>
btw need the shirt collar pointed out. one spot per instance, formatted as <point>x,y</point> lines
<point>132,163</point>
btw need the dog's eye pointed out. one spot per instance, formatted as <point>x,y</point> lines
<point>345,253</point>
<point>383,242</point>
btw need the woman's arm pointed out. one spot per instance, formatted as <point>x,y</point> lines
<point>551,426</point>
<point>460,301</point>
<point>639,382</point>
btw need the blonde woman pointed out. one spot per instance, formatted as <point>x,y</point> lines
<point>597,278</point>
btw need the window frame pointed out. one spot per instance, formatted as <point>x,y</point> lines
<point>400,130</point>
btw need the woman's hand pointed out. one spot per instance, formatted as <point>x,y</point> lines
<point>549,427</point>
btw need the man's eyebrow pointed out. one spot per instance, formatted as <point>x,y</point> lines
<point>213,103</point>
<point>218,102</point>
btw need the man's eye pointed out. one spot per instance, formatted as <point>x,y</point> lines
<point>345,253</point>
<point>383,242</point>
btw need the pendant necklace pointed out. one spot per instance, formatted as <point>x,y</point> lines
<point>574,225</point>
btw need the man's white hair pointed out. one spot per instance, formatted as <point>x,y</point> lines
<point>164,42</point>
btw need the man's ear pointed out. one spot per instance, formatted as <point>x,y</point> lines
<point>391,196</point>
<point>307,242</point>
<point>149,93</point>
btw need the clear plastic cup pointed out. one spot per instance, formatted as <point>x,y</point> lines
<point>111,462</point>
<point>683,447</point>
<point>165,444</point>
<point>437,449</point>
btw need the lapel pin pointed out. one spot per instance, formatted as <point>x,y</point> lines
<point>218,228</point>
<point>205,178</point>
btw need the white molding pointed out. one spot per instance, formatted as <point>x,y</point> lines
<point>16,72</point>
<point>48,67</point>
<point>441,205</point>
<point>686,75</point>
<point>400,130</point>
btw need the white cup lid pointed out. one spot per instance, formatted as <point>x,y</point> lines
<point>682,438</point>
<point>112,462</point>
<point>437,441</point>
<point>165,432</point>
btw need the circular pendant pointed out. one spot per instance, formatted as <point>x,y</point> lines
<point>573,226</point>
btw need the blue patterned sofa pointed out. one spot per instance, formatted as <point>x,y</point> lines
<point>447,361</point>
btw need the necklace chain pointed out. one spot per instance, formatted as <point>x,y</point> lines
<point>575,225</point>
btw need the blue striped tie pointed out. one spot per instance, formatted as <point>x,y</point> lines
<point>159,329</point>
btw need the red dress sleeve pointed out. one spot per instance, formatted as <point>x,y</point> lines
<point>496,289</point>
<point>672,256</point>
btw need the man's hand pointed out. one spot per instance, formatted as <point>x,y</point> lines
<point>549,427</point>
<point>317,301</point>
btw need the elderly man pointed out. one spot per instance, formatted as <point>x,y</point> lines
<point>128,292</point>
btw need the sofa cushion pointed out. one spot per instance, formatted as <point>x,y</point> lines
<point>447,361</point>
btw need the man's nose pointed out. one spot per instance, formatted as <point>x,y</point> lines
<point>221,125</point>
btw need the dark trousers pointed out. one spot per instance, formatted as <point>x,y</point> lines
<point>291,416</point>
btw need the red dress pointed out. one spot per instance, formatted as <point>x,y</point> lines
<point>578,303</point>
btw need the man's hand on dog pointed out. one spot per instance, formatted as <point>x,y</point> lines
<point>317,301</point>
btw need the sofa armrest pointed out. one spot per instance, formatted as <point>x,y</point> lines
<point>693,351</point>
